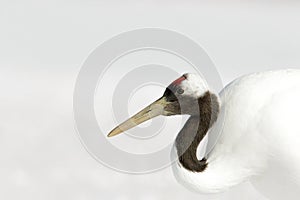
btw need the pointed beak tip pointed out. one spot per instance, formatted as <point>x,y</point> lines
<point>109,135</point>
<point>114,132</point>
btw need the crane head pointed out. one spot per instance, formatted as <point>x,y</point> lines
<point>180,97</point>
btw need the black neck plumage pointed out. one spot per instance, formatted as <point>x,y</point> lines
<point>194,131</point>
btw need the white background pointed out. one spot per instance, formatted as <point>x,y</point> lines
<point>44,43</point>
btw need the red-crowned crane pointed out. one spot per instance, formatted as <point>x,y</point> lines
<point>260,135</point>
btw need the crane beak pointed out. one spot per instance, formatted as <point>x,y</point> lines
<point>151,111</point>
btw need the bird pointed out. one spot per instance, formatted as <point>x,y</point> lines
<point>259,135</point>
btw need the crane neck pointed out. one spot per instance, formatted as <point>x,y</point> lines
<point>194,131</point>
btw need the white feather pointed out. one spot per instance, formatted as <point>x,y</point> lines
<point>194,85</point>
<point>260,139</point>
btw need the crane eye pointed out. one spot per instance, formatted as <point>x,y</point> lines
<point>180,91</point>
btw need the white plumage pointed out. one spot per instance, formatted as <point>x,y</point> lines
<point>260,139</point>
